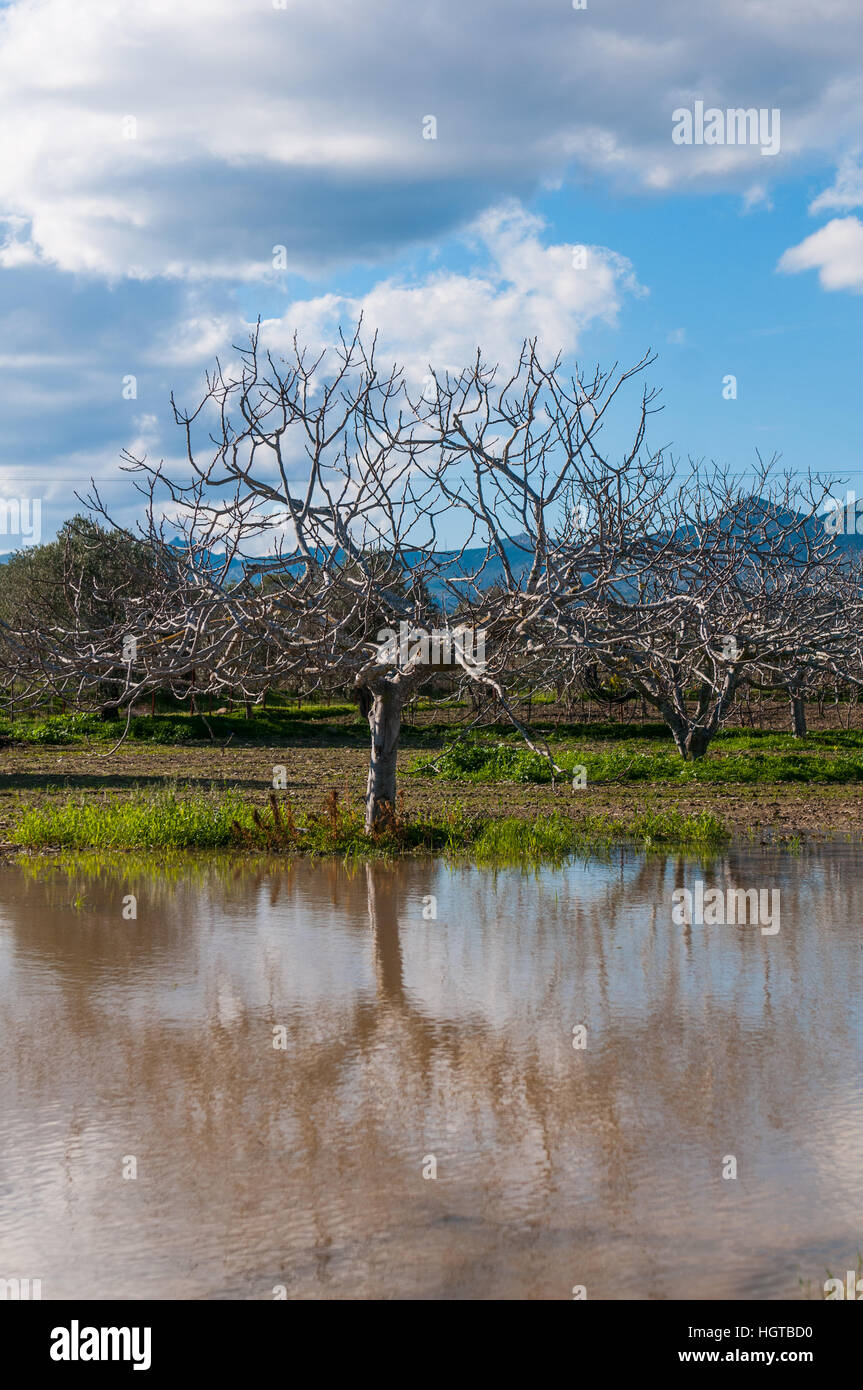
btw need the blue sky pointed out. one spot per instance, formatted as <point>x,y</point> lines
<point>155,155</point>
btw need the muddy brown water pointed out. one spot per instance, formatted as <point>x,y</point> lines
<point>410,1043</point>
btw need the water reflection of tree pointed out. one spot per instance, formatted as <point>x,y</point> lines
<point>277,1155</point>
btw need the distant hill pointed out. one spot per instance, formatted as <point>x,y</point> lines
<point>461,563</point>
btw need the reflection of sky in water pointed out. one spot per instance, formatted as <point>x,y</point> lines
<point>406,1036</point>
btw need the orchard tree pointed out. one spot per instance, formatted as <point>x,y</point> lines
<point>330,527</point>
<point>741,582</point>
<point>307,532</point>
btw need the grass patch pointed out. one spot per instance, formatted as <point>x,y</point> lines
<point>481,762</point>
<point>265,726</point>
<point>163,821</point>
<point>486,761</point>
<point>510,840</point>
<point>183,820</point>
<point>77,728</point>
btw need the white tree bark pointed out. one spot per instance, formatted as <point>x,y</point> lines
<point>384,713</point>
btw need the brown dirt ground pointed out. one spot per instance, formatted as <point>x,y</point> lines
<point>765,814</point>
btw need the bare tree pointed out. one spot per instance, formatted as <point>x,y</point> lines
<point>331,528</point>
<point>304,531</point>
<point>304,536</point>
<point>742,581</point>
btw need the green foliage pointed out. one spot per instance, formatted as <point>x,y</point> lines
<point>106,567</point>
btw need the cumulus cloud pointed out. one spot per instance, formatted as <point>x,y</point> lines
<point>835,251</point>
<point>155,154</point>
<point>162,139</point>
<point>68,413</point>
<point>519,288</point>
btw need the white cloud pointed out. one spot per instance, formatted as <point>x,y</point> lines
<point>522,289</point>
<point>835,251</point>
<point>197,338</point>
<point>73,344</point>
<point>258,127</point>
<point>757,197</point>
<point>846,191</point>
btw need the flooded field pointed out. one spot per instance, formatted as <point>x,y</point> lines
<point>247,1080</point>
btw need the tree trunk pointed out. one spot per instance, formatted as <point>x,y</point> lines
<point>798,716</point>
<point>696,742</point>
<point>690,742</point>
<point>383,709</point>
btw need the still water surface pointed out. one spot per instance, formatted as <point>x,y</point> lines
<point>406,1038</point>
